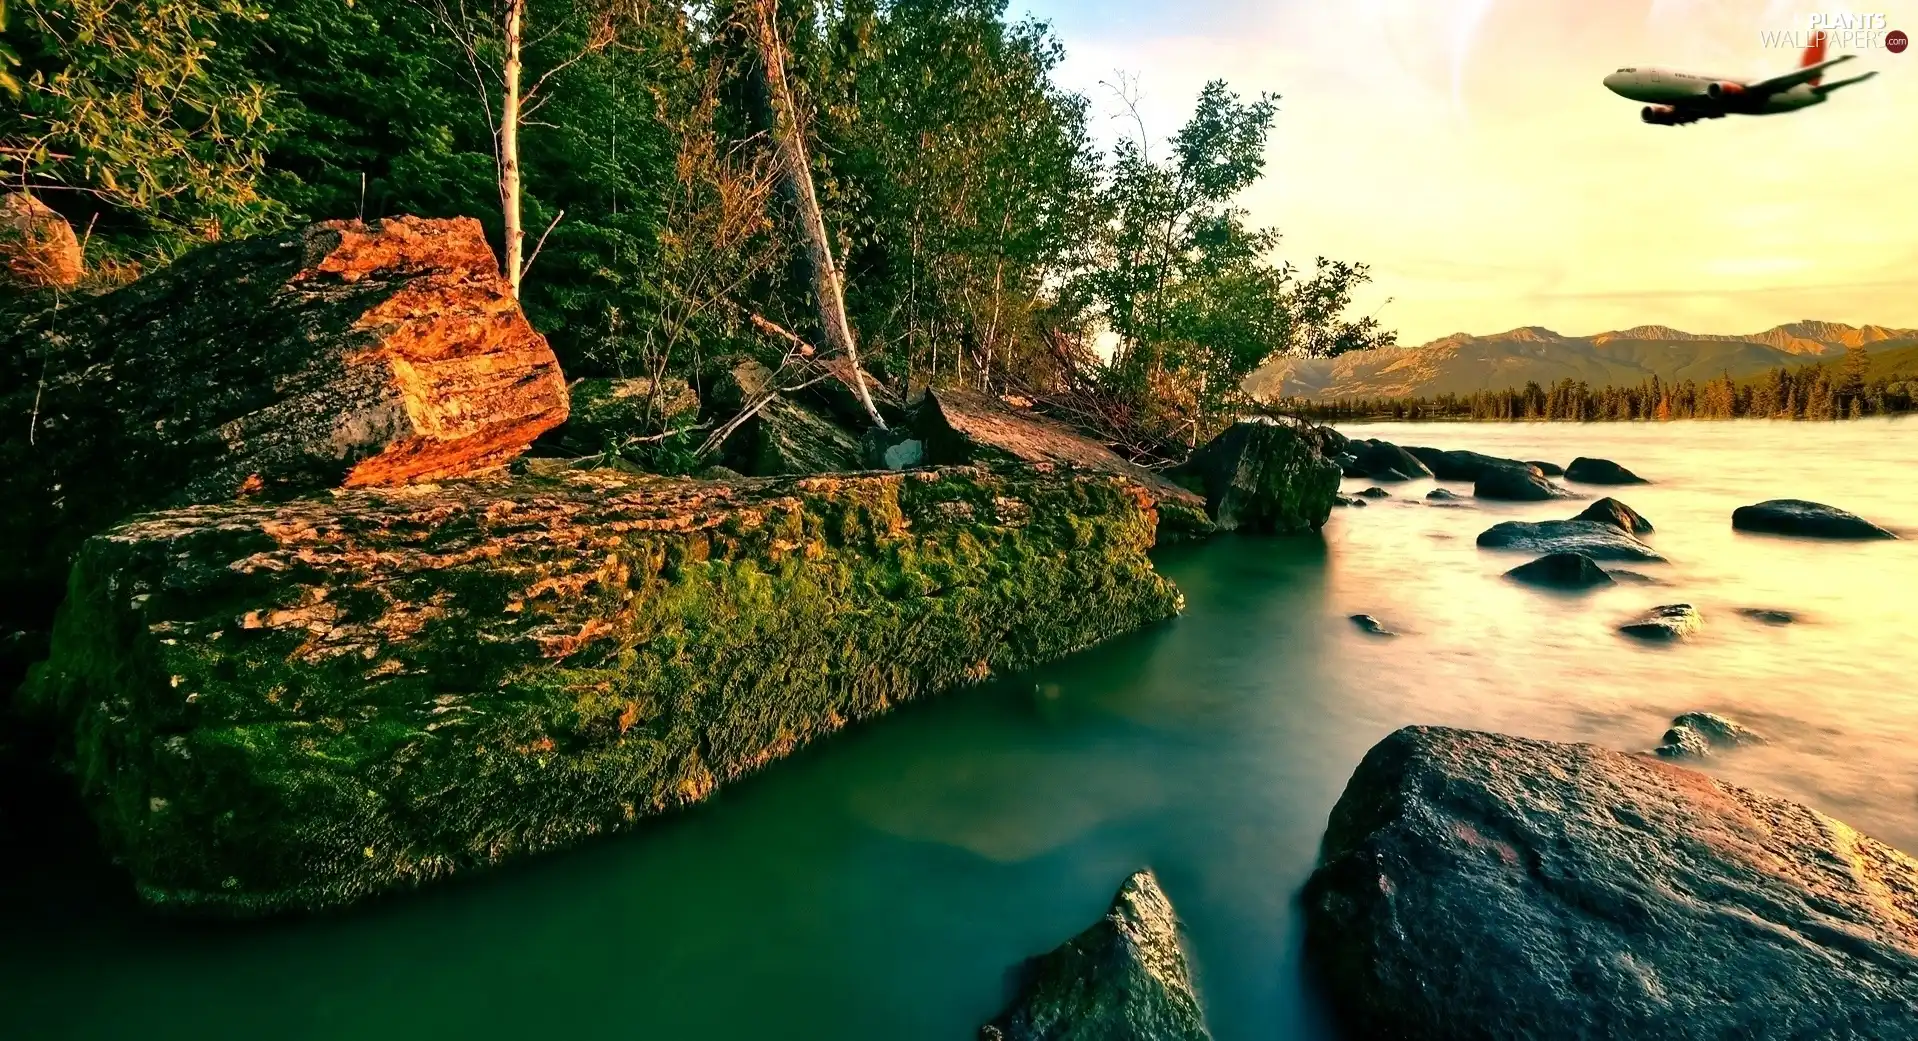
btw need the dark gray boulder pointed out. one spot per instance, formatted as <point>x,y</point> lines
<point>1123,979</point>
<point>1263,477</point>
<point>1610,511</point>
<point>1810,519</point>
<point>1385,461</point>
<point>1491,888</point>
<point>1606,539</point>
<point>1443,495</point>
<point>1371,626</point>
<point>1665,624</point>
<point>1548,469</point>
<point>1458,465</point>
<point>1516,484</point>
<point>1562,571</point>
<point>1600,471</point>
<point>1694,735</point>
<point>1350,500</point>
<point>1375,492</point>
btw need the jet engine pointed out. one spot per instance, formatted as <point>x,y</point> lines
<point>1660,115</point>
<point>1724,90</point>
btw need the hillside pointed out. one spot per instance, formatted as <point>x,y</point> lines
<point>1463,363</point>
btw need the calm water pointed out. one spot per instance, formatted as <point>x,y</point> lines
<point>882,884</point>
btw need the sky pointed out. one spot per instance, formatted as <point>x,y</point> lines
<point>1467,151</point>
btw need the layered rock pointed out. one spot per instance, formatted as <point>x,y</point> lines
<point>1486,887</point>
<point>1264,477</point>
<point>298,705</point>
<point>1809,519</point>
<point>38,249</point>
<point>343,355</point>
<point>1123,979</point>
<point>961,427</point>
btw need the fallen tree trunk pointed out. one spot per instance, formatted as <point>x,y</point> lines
<point>298,705</point>
<point>341,355</point>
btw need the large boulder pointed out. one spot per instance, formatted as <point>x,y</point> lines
<point>1123,979</point>
<point>1476,886</point>
<point>298,705</point>
<point>1586,470</point>
<point>1461,465</point>
<point>960,426</point>
<point>1810,519</point>
<point>341,355</point>
<point>775,431</point>
<point>1604,531</point>
<point>1264,477</point>
<point>1385,461</point>
<point>1521,483</point>
<point>38,249</point>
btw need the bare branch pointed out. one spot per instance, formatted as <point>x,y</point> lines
<point>537,246</point>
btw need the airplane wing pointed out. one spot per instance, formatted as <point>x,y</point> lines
<point>1780,84</point>
<point>1826,88</point>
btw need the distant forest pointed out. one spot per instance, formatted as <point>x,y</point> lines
<point>1862,384</point>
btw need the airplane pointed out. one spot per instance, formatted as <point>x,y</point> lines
<point>1677,98</point>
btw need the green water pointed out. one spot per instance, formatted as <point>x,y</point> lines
<point>884,883</point>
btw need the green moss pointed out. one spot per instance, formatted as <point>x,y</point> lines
<point>392,687</point>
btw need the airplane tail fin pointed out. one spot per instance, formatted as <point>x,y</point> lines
<point>1814,52</point>
<point>1826,88</point>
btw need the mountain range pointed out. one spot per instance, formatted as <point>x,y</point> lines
<point>1463,363</point>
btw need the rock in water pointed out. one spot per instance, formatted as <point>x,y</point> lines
<point>1610,511</point>
<point>1123,979</point>
<point>959,426</point>
<point>1600,471</point>
<point>1769,616</point>
<point>1670,622</point>
<point>38,249</point>
<point>279,706</point>
<point>1698,734</point>
<point>1350,500</point>
<point>1375,492</point>
<point>1798,517</point>
<point>1460,465</point>
<point>1602,532</point>
<point>1548,469</point>
<point>1263,477</point>
<point>1476,886</point>
<point>1371,626</point>
<point>342,355</point>
<point>1516,484</point>
<point>1385,461</point>
<point>1562,571</point>
<point>1443,495</point>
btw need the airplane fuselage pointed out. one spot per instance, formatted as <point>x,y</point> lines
<point>1666,87</point>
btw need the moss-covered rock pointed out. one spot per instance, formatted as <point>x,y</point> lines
<point>1265,477</point>
<point>298,705</point>
<point>608,414</point>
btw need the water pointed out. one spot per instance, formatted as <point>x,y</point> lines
<point>881,885</point>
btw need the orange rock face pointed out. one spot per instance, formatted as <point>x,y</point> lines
<point>340,355</point>
<point>38,249</point>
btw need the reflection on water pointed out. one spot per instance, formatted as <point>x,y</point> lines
<point>882,885</point>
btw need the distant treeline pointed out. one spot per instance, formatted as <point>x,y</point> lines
<point>1850,389</point>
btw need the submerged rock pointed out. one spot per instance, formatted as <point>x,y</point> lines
<point>962,427</point>
<point>1633,577</point>
<point>1548,469</point>
<point>1698,734</point>
<point>1670,622</point>
<point>292,706</point>
<point>340,355</point>
<point>1516,484</point>
<point>1769,616</point>
<point>1352,501</point>
<point>1375,492</point>
<point>1123,979</point>
<point>1610,511</point>
<point>1370,625</point>
<point>1810,519</point>
<point>1600,471</point>
<point>1475,886</point>
<point>1263,477</point>
<point>1385,461</point>
<point>1562,571</point>
<point>1443,495</point>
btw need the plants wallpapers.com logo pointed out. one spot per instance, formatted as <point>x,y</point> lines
<point>1842,31</point>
